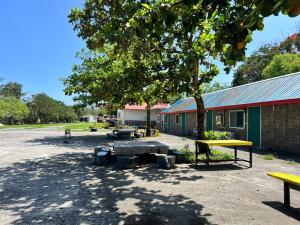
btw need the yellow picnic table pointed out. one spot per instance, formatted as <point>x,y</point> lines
<point>202,146</point>
<point>289,181</point>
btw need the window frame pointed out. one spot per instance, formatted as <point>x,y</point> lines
<point>166,121</point>
<point>244,121</point>
<point>158,117</point>
<point>223,118</point>
<point>178,123</point>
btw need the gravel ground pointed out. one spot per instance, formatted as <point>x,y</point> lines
<point>43,181</point>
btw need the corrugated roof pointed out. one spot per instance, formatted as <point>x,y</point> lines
<point>278,89</point>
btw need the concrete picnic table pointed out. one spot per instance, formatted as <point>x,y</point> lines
<point>224,143</point>
<point>121,133</point>
<point>123,148</point>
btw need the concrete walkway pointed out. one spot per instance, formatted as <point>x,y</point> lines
<point>44,181</point>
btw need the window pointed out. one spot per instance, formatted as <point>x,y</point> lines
<point>166,118</point>
<point>157,118</point>
<point>219,119</point>
<point>177,118</point>
<point>236,119</point>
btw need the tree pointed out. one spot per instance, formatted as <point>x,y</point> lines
<point>12,110</point>
<point>46,109</point>
<point>12,89</point>
<point>202,33</point>
<point>192,35</point>
<point>212,87</point>
<point>252,69</point>
<point>282,64</point>
<point>105,77</point>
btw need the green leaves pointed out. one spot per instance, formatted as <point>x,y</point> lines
<point>12,109</point>
<point>175,42</point>
<point>146,6</point>
<point>282,64</point>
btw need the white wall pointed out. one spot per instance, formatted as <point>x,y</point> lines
<point>120,116</point>
<point>137,115</point>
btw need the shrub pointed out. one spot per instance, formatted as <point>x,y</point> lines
<point>100,125</point>
<point>189,156</point>
<point>216,135</point>
<point>103,125</point>
<point>217,155</point>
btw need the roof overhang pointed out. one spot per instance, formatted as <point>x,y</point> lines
<point>270,103</point>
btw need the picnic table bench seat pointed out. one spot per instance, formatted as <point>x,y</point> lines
<point>289,181</point>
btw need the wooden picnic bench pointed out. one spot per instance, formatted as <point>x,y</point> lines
<point>202,146</point>
<point>289,181</point>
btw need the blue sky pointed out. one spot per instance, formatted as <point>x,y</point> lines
<point>38,45</point>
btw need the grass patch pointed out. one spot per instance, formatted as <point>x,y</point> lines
<point>82,126</point>
<point>269,157</point>
<point>290,162</point>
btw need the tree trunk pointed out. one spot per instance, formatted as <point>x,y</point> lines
<point>200,117</point>
<point>148,130</point>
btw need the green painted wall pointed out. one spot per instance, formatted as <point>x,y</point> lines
<point>169,122</point>
<point>254,125</point>
<point>209,120</point>
<point>183,124</point>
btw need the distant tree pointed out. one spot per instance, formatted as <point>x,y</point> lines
<point>12,110</point>
<point>282,64</point>
<point>67,114</point>
<point>12,89</point>
<point>252,69</point>
<point>46,109</point>
<point>215,86</point>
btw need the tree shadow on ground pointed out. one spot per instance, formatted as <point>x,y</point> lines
<point>218,167</point>
<point>289,211</point>
<point>67,189</point>
<point>76,142</point>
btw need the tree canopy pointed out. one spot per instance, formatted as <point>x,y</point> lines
<point>12,110</point>
<point>45,109</point>
<point>12,89</point>
<point>252,69</point>
<point>215,86</point>
<point>173,42</point>
<point>282,64</point>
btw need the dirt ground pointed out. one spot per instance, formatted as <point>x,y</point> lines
<point>44,181</point>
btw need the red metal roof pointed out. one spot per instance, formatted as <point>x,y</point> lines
<point>293,36</point>
<point>143,106</point>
